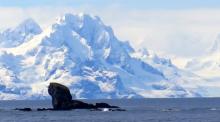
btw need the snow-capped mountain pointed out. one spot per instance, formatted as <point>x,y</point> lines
<point>215,48</point>
<point>23,32</point>
<point>208,66</point>
<point>177,83</point>
<point>80,51</point>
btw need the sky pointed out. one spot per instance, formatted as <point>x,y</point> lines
<point>134,4</point>
<point>175,28</point>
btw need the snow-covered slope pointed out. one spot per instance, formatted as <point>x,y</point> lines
<point>208,66</point>
<point>177,83</point>
<point>23,32</point>
<point>81,52</point>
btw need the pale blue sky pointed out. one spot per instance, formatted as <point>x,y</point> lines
<point>131,4</point>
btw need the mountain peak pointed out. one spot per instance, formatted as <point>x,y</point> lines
<point>29,26</point>
<point>76,21</point>
<point>216,45</point>
<point>83,16</point>
<point>20,34</point>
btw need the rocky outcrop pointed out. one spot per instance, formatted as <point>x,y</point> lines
<point>62,99</point>
<point>104,105</point>
<point>23,109</point>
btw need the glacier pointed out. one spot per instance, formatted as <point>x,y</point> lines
<point>81,52</point>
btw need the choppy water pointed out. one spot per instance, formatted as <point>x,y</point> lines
<point>138,110</point>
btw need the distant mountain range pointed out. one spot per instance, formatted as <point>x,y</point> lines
<point>80,51</point>
<point>208,67</point>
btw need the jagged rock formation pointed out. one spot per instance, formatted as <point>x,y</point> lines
<point>62,99</point>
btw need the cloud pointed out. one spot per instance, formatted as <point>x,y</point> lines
<point>184,32</point>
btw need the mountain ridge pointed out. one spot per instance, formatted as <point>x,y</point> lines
<point>81,52</point>
<point>23,32</point>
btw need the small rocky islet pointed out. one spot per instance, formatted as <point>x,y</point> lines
<point>62,100</point>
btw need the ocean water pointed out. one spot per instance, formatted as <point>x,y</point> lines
<point>138,110</point>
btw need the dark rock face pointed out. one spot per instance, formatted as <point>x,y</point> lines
<point>62,99</point>
<point>81,105</point>
<point>104,105</point>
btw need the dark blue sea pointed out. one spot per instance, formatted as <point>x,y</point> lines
<point>138,110</point>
